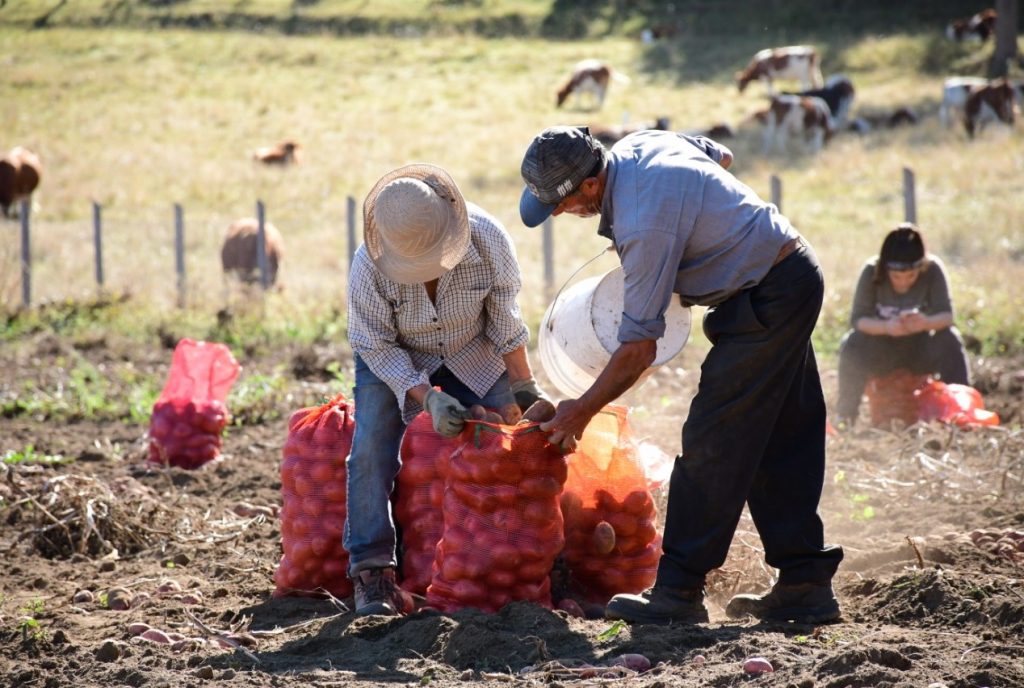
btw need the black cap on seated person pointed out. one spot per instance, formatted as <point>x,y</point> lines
<point>903,248</point>
<point>554,166</point>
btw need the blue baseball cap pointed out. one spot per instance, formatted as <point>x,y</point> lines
<point>554,166</point>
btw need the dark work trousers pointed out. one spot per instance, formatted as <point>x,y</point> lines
<point>863,356</point>
<point>755,434</point>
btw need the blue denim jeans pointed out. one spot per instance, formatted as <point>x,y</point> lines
<point>374,462</point>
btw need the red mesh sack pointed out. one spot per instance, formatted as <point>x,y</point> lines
<point>611,541</point>
<point>891,398</point>
<point>417,500</point>
<point>953,403</point>
<point>313,485</point>
<point>502,521</point>
<point>190,414</point>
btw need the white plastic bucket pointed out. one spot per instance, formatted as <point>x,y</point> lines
<point>579,333</point>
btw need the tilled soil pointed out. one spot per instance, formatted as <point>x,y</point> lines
<point>929,516</point>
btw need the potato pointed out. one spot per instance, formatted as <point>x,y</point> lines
<point>477,412</point>
<point>155,635</point>
<point>603,538</point>
<point>571,607</point>
<point>758,665</point>
<point>633,661</point>
<point>541,411</point>
<point>494,417</point>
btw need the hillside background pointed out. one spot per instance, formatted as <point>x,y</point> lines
<point>142,104</point>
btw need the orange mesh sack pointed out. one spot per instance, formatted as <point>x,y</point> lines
<point>502,521</point>
<point>891,398</point>
<point>190,414</point>
<point>611,542</point>
<point>960,405</point>
<point>313,501</point>
<point>417,499</point>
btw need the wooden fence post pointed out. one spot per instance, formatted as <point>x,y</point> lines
<point>26,255</point>
<point>261,244</point>
<point>179,251</point>
<point>97,240</point>
<point>548,237</point>
<point>909,200</point>
<point>776,186</point>
<point>351,214</point>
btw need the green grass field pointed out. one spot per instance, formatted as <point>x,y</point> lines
<point>139,120</point>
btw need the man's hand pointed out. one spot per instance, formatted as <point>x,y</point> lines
<point>567,426</point>
<point>446,413</point>
<point>527,392</point>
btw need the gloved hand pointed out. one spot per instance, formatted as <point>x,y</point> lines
<point>527,392</point>
<point>446,413</point>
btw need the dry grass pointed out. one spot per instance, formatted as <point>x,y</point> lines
<point>141,121</point>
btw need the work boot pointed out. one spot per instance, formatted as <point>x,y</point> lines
<point>659,605</point>
<point>377,592</point>
<point>802,603</point>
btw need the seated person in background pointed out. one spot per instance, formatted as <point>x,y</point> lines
<point>902,319</point>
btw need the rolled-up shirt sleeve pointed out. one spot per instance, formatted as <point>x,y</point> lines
<point>374,337</point>
<point>713,149</point>
<point>650,261</point>
<point>505,326</point>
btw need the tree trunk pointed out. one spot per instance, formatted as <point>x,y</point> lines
<point>1007,13</point>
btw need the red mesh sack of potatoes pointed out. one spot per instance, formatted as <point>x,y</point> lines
<point>891,398</point>
<point>502,521</point>
<point>417,499</point>
<point>611,542</point>
<point>190,414</point>
<point>313,486</point>
<point>960,405</point>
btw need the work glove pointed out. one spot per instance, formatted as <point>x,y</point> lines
<point>527,392</point>
<point>446,413</point>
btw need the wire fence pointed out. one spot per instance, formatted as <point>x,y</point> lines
<point>173,254</point>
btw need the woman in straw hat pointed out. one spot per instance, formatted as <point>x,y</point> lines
<point>434,326</point>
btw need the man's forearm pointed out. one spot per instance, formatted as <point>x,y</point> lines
<point>626,366</point>
<point>517,364</point>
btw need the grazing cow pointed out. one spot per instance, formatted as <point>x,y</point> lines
<point>955,90</point>
<point>993,102</point>
<point>792,62</point>
<point>837,93</point>
<point>238,254</point>
<point>867,122</point>
<point>20,171</point>
<point>806,117</point>
<point>610,135</point>
<point>589,76</point>
<point>976,28</point>
<point>284,153</point>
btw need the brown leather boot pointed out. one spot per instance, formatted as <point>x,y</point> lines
<point>377,592</point>
<point>802,603</point>
<point>659,605</point>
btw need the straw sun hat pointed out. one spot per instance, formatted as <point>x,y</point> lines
<point>416,224</point>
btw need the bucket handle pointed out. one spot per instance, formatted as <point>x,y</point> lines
<point>551,321</point>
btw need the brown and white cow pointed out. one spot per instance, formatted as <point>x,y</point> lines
<point>976,28</point>
<point>589,77</point>
<point>238,254</point>
<point>805,117</point>
<point>20,172</point>
<point>610,135</point>
<point>284,153</point>
<point>838,93</point>
<point>955,90</point>
<point>792,62</point>
<point>994,102</point>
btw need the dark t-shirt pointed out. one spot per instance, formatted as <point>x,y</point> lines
<point>929,295</point>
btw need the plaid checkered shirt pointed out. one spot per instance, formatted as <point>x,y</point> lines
<point>404,338</point>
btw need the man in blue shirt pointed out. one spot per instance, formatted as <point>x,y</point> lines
<point>684,227</point>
